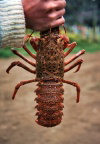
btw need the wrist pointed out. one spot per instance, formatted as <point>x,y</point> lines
<point>24,6</point>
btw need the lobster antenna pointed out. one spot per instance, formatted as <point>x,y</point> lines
<point>50,30</point>
<point>30,36</point>
<point>65,29</point>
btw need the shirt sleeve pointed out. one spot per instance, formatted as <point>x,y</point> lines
<point>12,23</point>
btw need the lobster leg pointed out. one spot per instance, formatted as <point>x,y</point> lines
<point>27,50</point>
<point>71,47</point>
<point>34,43</point>
<point>21,56</point>
<point>74,57</point>
<point>18,63</point>
<point>77,88</point>
<point>27,37</point>
<point>77,63</point>
<point>21,84</point>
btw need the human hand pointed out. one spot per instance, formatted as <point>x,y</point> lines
<point>43,14</point>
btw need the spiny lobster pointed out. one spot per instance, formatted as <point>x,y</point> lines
<point>49,74</point>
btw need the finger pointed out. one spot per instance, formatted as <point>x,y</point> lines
<point>60,4</point>
<point>52,24</point>
<point>55,5</point>
<point>56,14</point>
<point>60,13</point>
<point>57,22</point>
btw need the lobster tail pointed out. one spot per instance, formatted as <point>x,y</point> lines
<point>49,103</point>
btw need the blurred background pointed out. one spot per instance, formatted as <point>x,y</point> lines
<point>81,122</point>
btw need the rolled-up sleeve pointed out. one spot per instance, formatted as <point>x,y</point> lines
<point>12,23</point>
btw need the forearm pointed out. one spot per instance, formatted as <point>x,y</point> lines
<point>12,23</point>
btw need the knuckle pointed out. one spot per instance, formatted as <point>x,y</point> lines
<point>52,16</point>
<point>64,3</point>
<point>49,6</point>
<point>62,12</point>
<point>52,5</point>
<point>46,7</point>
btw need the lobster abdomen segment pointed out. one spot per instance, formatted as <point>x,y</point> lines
<point>50,99</point>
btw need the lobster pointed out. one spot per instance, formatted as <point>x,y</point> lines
<point>49,70</point>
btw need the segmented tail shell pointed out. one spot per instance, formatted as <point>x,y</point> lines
<point>50,99</point>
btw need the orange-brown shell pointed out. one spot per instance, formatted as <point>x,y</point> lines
<point>50,69</point>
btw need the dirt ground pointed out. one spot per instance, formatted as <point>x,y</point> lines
<point>81,122</point>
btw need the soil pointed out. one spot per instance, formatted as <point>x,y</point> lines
<point>81,122</point>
